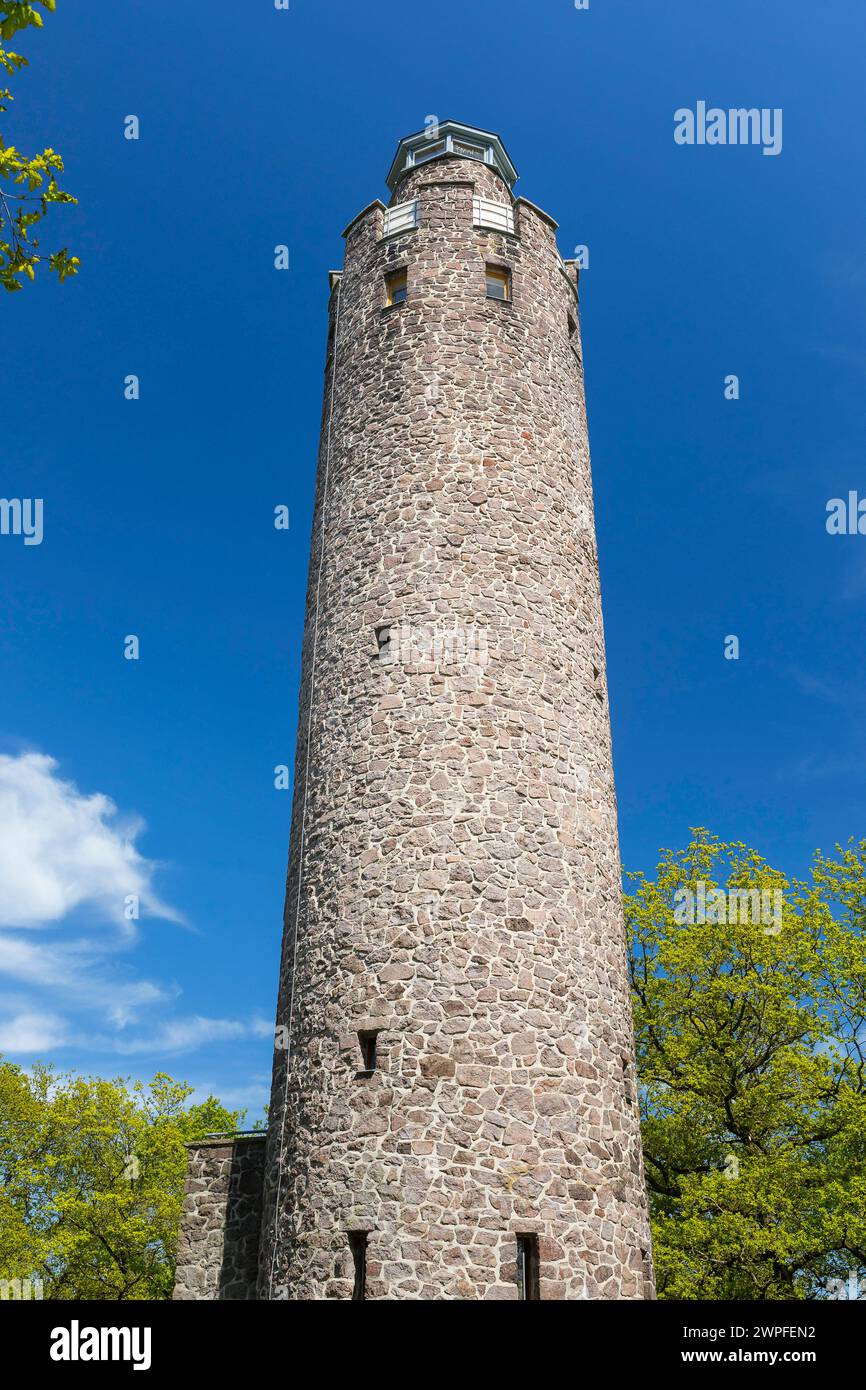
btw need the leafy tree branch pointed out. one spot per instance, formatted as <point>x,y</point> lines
<point>28,183</point>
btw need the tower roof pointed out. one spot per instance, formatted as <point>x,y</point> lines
<point>446,138</point>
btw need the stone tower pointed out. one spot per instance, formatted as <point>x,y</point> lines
<point>454,1110</point>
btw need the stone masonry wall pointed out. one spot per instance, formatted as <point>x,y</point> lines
<point>218,1248</point>
<point>454,874</point>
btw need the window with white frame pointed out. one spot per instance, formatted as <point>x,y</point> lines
<point>401,218</point>
<point>429,152</point>
<point>468,151</point>
<point>449,144</point>
<point>499,216</point>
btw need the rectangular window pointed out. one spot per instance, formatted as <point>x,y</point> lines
<point>358,1247</point>
<point>498,282</point>
<point>396,287</point>
<point>467,151</point>
<point>368,1050</point>
<point>401,218</point>
<point>429,151</point>
<point>527,1268</point>
<point>383,641</point>
<point>626,1081</point>
<point>499,216</point>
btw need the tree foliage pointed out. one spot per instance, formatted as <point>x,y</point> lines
<point>91,1180</point>
<point>28,183</point>
<point>751,1041</point>
<point>751,1038</point>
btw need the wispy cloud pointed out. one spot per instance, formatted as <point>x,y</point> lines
<point>32,1032</point>
<point>832,694</point>
<point>62,852</point>
<point>186,1035</point>
<point>252,1095</point>
<point>76,972</point>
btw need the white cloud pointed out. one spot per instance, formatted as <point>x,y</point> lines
<point>73,970</point>
<point>185,1035</point>
<point>251,1096</point>
<point>32,1032</point>
<point>60,849</point>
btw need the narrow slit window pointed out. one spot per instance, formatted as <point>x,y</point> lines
<point>396,288</point>
<point>527,1268</point>
<point>383,642</point>
<point>626,1078</point>
<point>368,1043</point>
<point>498,283</point>
<point>597,683</point>
<point>358,1247</point>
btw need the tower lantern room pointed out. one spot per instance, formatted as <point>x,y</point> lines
<point>450,140</point>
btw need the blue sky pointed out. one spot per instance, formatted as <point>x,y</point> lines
<point>261,127</point>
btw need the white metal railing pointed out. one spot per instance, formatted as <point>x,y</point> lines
<point>488,214</point>
<point>401,218</point>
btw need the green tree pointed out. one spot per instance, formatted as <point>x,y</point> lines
<point>91,1180</point>
<point>751,1037</point>
<point>28,183</point>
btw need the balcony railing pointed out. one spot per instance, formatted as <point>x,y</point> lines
<point>401,218</point>
<point>499,216</point>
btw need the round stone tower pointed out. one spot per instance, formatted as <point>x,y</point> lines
<point>454,1107</point>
